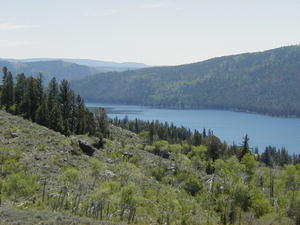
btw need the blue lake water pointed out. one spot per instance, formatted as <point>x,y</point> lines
<point>227,125</point>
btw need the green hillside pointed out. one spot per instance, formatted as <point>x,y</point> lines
<point>47,178</point>
<point>263,82</point>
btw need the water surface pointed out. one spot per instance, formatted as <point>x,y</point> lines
<point>227,125</point>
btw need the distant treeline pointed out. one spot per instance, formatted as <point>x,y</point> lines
<point>155,131</point>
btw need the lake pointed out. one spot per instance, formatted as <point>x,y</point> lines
<point>227,125</point>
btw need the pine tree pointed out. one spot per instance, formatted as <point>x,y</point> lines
<point>30,102</point>
<point>91,124</point>
<point>103,122</point>
<point>42,114</point>
<point>74,118</point>
<point>66,127</point>
<point>152,133</point>
<point>197,139</point>
<point>81,126</point>
<point>136,126</point>
<point>204,133</point>
<point>214,148</point>
<point>20,88</point>
<point>55,118</point>
<point>65,99</point>
<point>40,88</point>
<point>245,148</point>
<point>7,91</point>
<point>52,93</point>
<point>5,71</point>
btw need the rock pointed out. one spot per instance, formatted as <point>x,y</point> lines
<point>110,161</point>
<point>86,147</point>
<point>37,157</point>
<point>172,168</point>
<point>128,154</point>
<point>13,134</point>
<point>109,173</point>
<point>165,154</point>
<point>70,163</point>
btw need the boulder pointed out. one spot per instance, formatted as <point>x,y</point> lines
<point>86,147</point>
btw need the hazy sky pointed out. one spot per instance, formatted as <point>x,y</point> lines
<point>155,32</point>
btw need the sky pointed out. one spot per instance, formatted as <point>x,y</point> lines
<point>155,32</point>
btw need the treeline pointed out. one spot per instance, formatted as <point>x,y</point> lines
<point>156,131</point>
<point>272,157</point>
<point>56,106</point>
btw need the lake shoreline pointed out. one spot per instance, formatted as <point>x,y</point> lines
<point>230,126</point>
<point>200,108</point>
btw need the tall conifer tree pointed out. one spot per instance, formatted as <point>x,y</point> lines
<point>30,102</point>
<point>42,113</point>
<point>52,93</point>
<point>20,88</point>
<point>7,92</point>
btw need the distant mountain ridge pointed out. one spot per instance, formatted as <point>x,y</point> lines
<point>263,82</point>
<point>70,69</point>
<point>88,62</point>
<point>58,68</point>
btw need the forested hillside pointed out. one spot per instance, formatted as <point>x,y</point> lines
<point>263,82</point>
<point>61,70</point>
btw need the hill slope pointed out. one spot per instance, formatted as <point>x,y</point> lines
<point>54,164</point>
<point>46,178</point>
<point>58,68</point>
<point>264,82</point>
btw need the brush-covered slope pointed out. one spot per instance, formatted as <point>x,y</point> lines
<point>58,68</point>
<point>47,178</point>
<point>264,82</point>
